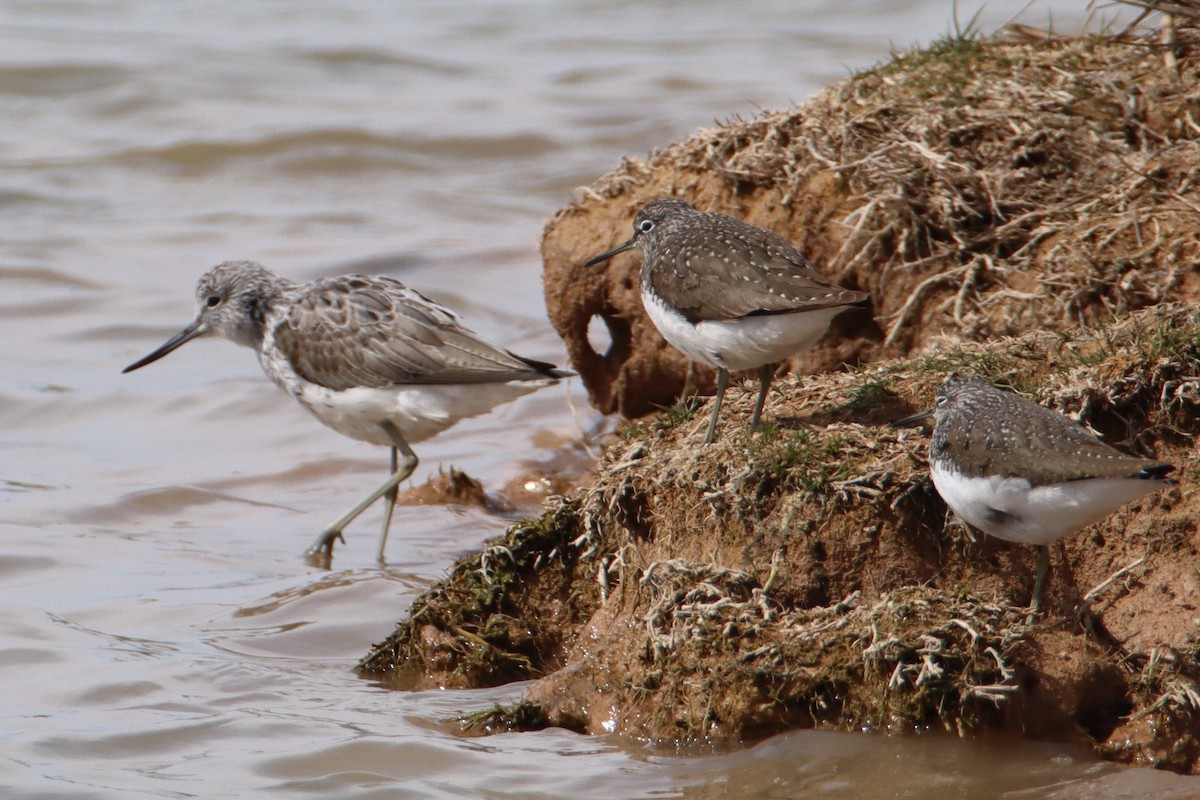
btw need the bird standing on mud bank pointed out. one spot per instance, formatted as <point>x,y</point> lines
<point>728,294</point>
<point>1023,473</point>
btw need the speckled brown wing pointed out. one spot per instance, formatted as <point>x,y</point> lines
<point>726,269</point>
<point>990,445</point>
<point>357,330</point>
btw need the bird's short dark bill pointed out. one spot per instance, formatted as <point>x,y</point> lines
<point>176,341</point>
<point>607,254</point>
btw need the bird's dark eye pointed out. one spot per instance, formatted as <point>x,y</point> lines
<point>646,225</point>
<point>940,400</point>
<point>213,301</point>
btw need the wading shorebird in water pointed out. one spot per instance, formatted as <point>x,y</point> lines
<point>368,356</point>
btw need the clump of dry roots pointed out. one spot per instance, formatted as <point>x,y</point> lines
<point>910,657</point>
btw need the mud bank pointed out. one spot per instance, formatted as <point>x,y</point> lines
<point>1024,212</point>
<point>810,575</point>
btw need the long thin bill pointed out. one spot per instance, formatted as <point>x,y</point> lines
<point>607,254</point>
<point>178,340</point>
<point>913,420</point>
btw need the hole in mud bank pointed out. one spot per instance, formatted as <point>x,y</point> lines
<point>599,337</point>
<point>1101,716</point>
<point>610,337</point>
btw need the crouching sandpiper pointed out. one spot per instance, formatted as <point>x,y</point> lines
<point>1023,473</point>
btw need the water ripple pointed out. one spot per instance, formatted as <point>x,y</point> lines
<point>57,80</point>
<point>334,152</point>
<point>346,59</point>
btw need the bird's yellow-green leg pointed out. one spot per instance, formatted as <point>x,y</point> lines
<point>324,542</point>
<point>765,374</point>
<point>1039,584</point>
<point>722,382</point>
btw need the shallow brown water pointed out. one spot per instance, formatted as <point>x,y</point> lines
<point>161,635</point>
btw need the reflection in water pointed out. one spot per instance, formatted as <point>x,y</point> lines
<point>161,636</point>
<point>930,767</point>
<point>281,598</point>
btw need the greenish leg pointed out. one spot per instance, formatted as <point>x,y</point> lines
<point>765,375</point>
<point>389,505</point>
<point>324,543</point>
<point>722,382</point>
<point>1039,585</point>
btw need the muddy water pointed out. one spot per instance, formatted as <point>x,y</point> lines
<point>161,636</point>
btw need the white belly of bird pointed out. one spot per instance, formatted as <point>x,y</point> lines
<point>1037,515</point>
<point>745,343</point>
<point>417,411</point>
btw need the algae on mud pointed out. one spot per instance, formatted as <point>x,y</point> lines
<point>1008,206</point>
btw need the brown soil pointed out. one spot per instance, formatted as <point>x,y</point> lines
<point>451,488</point>
<point>567,467</point>
<point>1019,203</point>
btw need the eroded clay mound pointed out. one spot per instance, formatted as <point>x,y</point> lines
<point>974,189</point>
